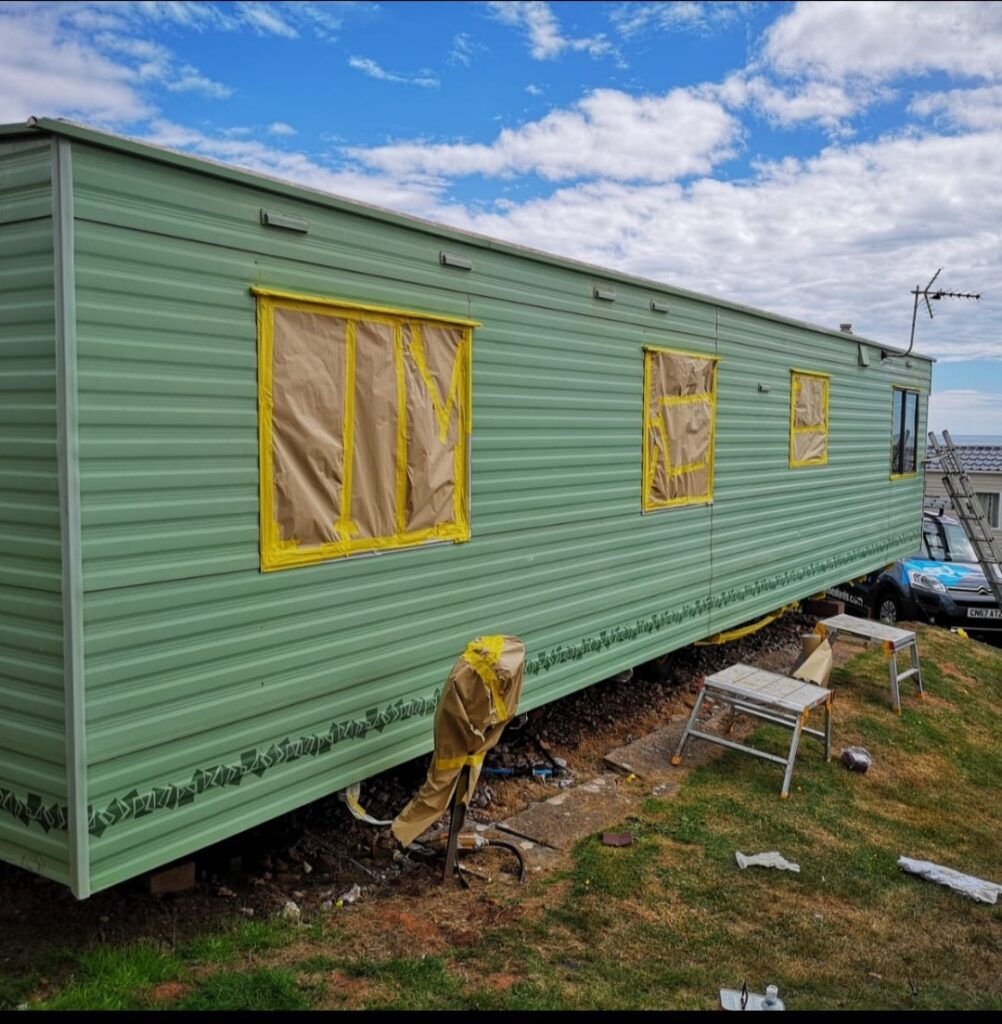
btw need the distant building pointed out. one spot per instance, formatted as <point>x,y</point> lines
<point>983,463</point>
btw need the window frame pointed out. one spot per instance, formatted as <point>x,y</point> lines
<point>278,553</point>
<point>995,522</point>
<point>646,505</point>
<point>825,378</point>
<point>897,464</point>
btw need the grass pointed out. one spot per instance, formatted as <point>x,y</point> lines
<point>666,922</point>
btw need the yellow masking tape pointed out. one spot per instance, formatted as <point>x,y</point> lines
<point>278,552</point>
<point>398,360</point>
<point>446,764</point>
<point>482,655</point>
<point>345,527</point>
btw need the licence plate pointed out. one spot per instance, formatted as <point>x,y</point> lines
<point>984,613</point>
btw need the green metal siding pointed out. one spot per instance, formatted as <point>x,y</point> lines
<point>203,671</point>
<point>32,752</point>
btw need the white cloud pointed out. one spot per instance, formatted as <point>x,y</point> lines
<point>534,90</point>
<point>189,79</point>
<point>464,49</point>
<point>828,104</point>
<point>842,236</point>
<point>633,17</point>
<point>880,40</point>
<point>540,24</point>
<point>369,67</point>
<point>281,128</point>
<point>266,19</point>
<point>965,412</point>
<point>42,71</point>
<point>608,133</point>
<point>416,195</point>
<point>962,108</point>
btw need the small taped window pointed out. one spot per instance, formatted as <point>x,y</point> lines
<point>680,404</point>
<point>364,421</point>
<point>808,419</point>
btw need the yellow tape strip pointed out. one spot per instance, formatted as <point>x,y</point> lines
<point>345,527</point>
<point>482,655</point>
<point>265,413</point>
<point>446,764</point>
<point>743,631</point>
<point>443,410</point>
<point>699,396</point>
<point>398,360</point>
<point>294,300</point>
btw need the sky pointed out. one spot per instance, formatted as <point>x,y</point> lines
<point>819,160</point>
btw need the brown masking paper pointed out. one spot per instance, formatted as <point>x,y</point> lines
<point>809,405</point>
<point>810,445</point>
<point>687,425</point>
<point>431,464</point>
<point>480,697</point>
<point>374,440</point>
<point>308,383</point>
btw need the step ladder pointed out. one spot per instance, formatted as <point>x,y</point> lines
<point>969,511</point>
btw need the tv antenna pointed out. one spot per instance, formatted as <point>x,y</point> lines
<point>927,293</point>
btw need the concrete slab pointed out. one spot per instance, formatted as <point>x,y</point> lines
<point>650,756</point>
<point>575,813</point>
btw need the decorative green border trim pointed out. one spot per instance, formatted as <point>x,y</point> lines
<point>257,762</point>
<point>674,616</point>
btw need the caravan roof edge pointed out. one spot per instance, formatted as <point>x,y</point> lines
<point>255,179</point>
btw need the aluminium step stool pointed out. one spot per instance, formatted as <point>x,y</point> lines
<point>891,638</point>
<point>769,696</point>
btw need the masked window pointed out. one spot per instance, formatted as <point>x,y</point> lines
<point>680,399</point>
<point>364,427</point>
<point>808,419</point>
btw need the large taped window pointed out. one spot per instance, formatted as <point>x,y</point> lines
<point>680,400</point>
<point>364,429</point>
<point>808,419</point>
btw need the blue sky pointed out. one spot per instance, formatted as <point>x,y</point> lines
<point>815,159</point>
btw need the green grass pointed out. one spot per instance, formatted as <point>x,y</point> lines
<point>122,978</point>
<point>668,921</point>
<point>256,989</point>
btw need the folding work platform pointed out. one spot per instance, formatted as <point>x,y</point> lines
<point>769,696</point>
<point>892,639</point>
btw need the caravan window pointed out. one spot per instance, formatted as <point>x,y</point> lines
<point>364,417</point>
<point>680,406</point>
<point>904,432</point>
<point>808,418</point>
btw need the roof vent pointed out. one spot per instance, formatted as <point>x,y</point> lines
<point>847,328</point>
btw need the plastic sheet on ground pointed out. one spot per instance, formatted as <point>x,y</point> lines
<point>967,885</point>
<point>772,859</point>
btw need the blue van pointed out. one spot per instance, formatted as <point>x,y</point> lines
<point>942,584</point>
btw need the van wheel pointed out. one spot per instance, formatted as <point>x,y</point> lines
<point>888,608</point>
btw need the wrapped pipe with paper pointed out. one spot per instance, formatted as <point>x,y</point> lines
<point>480,697</point>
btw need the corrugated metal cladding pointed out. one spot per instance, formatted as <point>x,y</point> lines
<point>32,753</point>
<point>218,696</point>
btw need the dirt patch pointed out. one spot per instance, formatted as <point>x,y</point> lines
<point>948,668</point>
<point>345,991</point>
<point>168,992</point>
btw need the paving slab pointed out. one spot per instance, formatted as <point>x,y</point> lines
<point>650,756</point>
<point>575,813</point>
